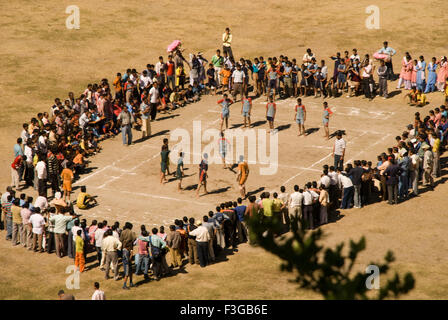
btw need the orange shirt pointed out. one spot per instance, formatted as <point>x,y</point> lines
<point>67,175</point>
<point>78,159</point>
<point>226,75</point>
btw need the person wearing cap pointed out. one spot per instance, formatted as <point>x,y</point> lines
<point>428,163</point>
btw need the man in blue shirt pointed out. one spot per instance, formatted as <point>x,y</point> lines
<point>390,51</point>
<point>240,209</point>
<point>18,148</point>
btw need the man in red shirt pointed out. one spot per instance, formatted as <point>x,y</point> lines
<point>15,166</point>
<point>170,75</point>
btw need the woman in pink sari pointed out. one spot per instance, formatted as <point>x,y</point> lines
<point>442,74</point>
<point>406,72</point>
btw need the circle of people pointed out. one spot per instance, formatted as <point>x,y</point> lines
<point>53,148</point>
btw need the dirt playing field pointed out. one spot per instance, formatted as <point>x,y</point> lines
<point>41,59</point>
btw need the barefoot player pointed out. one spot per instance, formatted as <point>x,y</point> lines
<point>243,173</point>
<point>246,108</point>
<point>225,111</point>
<point>203,168</point>
<point>300,116</point>
<point>326,119</point>
<point>271,109</point>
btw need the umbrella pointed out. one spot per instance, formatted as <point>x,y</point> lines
<point>173,46</point>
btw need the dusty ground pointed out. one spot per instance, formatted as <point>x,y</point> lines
<point>41,59</point>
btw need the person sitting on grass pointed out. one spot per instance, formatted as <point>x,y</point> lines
<point>85,200</point>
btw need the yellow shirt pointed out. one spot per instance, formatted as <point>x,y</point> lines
<point>436,146</point>
<point>79,244</point>
<point>80,200</point>
<point>421,97</point>
<point>277,205</point>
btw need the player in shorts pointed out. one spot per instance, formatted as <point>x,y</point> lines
<point>271,109</point>
<point>326,119</point>
<point>246,108</point>
<point>225,111</point>
<point>273,75</point>
<point>223,148</point>
<point>203,167</point>
<point>180,170</point>
<point>243,173</point>
<point>300,116</point>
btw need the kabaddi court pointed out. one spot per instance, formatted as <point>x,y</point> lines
<point>126,179</point>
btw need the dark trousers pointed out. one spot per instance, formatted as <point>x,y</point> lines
<point>203,253</point>
<point>229,233</point>
<point>157,266</point>
<point>390,71</point>
<point>348,197</point>
<point>153,111</point>
<point>308,215</point>
<point>338,162</point>
<point>229,52</point>
<point>42,187</point>
<point>54,181</point>
<point>366,87</point>
<point>50,244</point>
<point>382,83</point>
<point>70,245</point>
<point>29,174</point>
<point>392,191</point>
<point>383,188</point>
<point>242,237</point>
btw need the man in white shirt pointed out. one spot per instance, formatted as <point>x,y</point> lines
<point>415,166</point>
<point>325,180</point>
<point>41,170</point>
<point>98,294</point>
<point>366,75</point>
<point>308,206</point>
<point>38,223</point>
<point>307,57</point>
<point>355,55</point>
<point>99,234</point>
<point>41,203</point>
<point>145,81</point>
<point>84,120</point>
<point>202,239</point>
<point>348,190</point>
<point>295,202</point>
<point>160,66</point>
<point>154,100</point>
<point>339,151</point>
<point>237,81</point>
<point>227,43</point>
